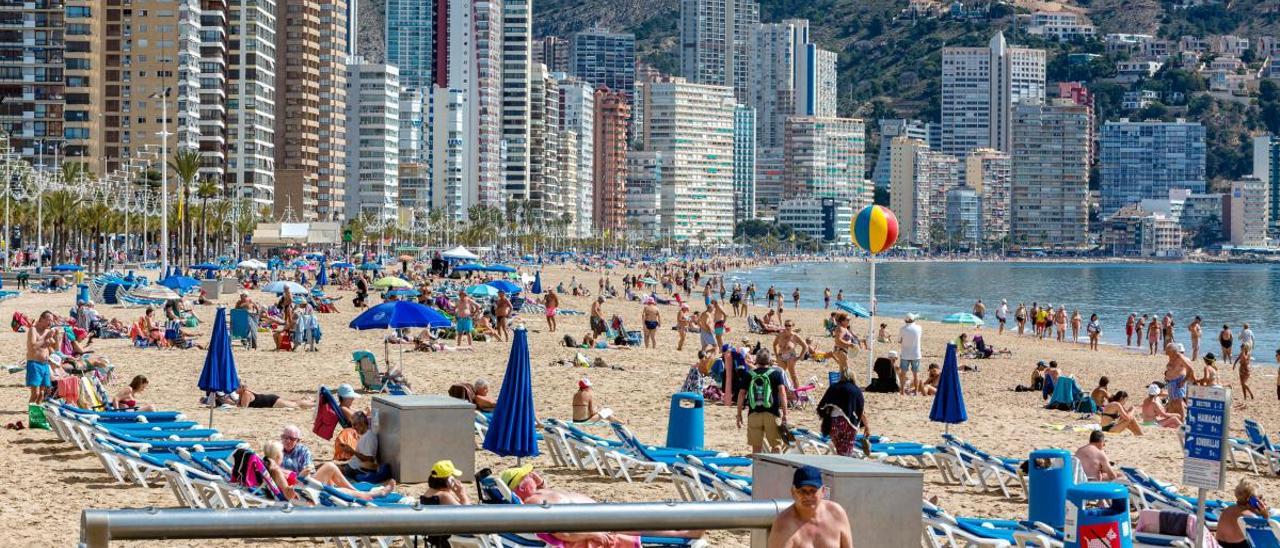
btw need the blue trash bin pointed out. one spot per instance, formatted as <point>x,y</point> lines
<point>82,293</point>
<point>1097,515</point>
<point>1050,472</point>
<point>685,422</point>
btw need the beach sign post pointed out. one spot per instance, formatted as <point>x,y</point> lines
<point>1205,446</point>
<point>874,229</point>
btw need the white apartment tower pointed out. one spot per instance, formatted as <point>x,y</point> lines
<point>981,87</point>
<point>988,173</point>
<point>251,124</point>
<point>824,159</point>
<point>373,140</point>
<point>713,42</point>
<point>577,116</point>
<point>517,55</point>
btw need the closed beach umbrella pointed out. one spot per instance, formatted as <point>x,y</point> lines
<point>948,403</point>
<point>511,430</point>
<point>279,286</point>
<point>388,282</point>
<point>537,283</point>
<point>504,285</point>
<point>181,284</point>
<point>322,279</point>
<point>155,292</point>
<point>219,373</point>
<point>963,318</point>
<point>482,291</point>
<point>853,308</point>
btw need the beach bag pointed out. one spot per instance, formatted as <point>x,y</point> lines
<point>580,360</point>
<point>19,322</point>
<point>36,418</point>
<point>760,390</point>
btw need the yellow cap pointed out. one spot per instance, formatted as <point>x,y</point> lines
<point>444,469</point>
<point>513,476</point>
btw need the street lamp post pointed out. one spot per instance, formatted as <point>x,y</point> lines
<point>164,179</point>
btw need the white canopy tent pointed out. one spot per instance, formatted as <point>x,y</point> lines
<point>460,253</point>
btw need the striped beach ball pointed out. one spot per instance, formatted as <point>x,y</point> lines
<point>874,229</point>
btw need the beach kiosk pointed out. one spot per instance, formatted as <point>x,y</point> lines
<point>416,431</point>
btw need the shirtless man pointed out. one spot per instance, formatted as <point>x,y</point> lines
<point>1248,503</point>
<point>1178,374</point>
<point>501,311</point>
<point>551,302</point>
<point>1094,461</point>
<point>39,376</point>
<point>1060,321</point>
<point>789,347</point>
<point>682,325</point>
<point>597,321</point>
<point>465,323</point>
<point>811,521</point>
<point>707,337</point>
<point>531,488</point>
<point>651,319</point>
<point>720,319</point>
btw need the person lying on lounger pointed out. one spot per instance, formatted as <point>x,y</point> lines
<point>531,488</point>
<point>246,398</point>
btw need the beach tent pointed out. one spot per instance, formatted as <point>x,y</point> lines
<point>459,254</point>
<point>948,402</point>
<point>511,430</point>
<point>219,373</point>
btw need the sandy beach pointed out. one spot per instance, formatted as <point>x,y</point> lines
<point>50,482</point>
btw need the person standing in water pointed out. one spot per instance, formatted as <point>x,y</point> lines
<point>1195,329</point>
<point>1226,340</point>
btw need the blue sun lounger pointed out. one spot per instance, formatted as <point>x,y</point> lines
<point>1260,532</point>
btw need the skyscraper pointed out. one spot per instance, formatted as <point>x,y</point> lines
<point>692,125</point>
<point>1050,185</point>
<point>544,146</point>
<point>1266,168</point>
<point>1248,205</point>
<point>578,116</point>
<point>981,87</point>
<point>31,72</point>
<point>890,128</point>
<point>744,163</point>
<point>713,42</point>
<point>610,164</point>
<point>411,36</point>
<point>251,124</point>
<point>517,16</point>
<point>908,191</point>
<point>987,173</point>
<point>552,51</point>
<point>824,159</point>
<point>373,138</point>
<point>603,58</point>
<point>1146,159</point>
<point>213,89</point>
<point>645,169</point>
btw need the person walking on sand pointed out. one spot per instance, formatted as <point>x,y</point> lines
<point>1226,340</point>
<point>597,322</point>
<point>764,396</point>
<point>463,318</point>
<point>789,347</point>
<point>1246,356</point>
<point>843,339</point>
<point>682,326</point>
<point>1095,331</point>
<point>1195,329</point>
<point>909,338</point>
<point>551,302</point>
<point>1178,374</point>
<point>811,520</point>
<point>652,319</point>
<point>1002,315</point>
<point>1076,320</point>
<point>720,321</point>
<point>501,311</point>
<point>706,337</point>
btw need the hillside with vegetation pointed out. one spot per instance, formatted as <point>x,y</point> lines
<point>889,63</point>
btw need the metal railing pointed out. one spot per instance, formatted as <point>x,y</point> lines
<point>99,527</point>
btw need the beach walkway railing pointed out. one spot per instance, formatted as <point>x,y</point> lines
<point>98,528</point>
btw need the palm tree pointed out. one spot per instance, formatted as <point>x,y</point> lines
<point>207,190</point>
<point>186,165</point>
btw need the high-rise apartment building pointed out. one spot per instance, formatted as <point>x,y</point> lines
<point>988,173</point>
<point>603,58</point>
<point>713,42</point>
<point>824,159</point>
<point>213,90</point>
<point>517,23</point>
<point>890,128</point>
<point>693,125</point>
<point>1143,160</point>
<point>251,85</point>
<point>373,138</point>
<point>744,163</point>
<point>610,164</point>
<point>1266,168</point>
<point>578,117</point>
<point>83,70</point>
<point>1050,186</point>
<point>553,51</point>
<point>981,87</point>
<point>31,73</point>
<point>1249,205</point>
<point>908,198</point>
<point>545,194</point>
<point>448,180</point>
<point>414,181</point>
<point>310,125</point>
<point>645,169</point>
<point>1078,93</point>
<point>412,34</point>
<point>939,173</point>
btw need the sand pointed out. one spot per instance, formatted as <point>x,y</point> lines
<point>50,482</point>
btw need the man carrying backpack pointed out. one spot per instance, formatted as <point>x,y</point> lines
<point>764,394</point>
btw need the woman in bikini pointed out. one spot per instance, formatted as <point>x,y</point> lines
<point>844,342</point>
<point>1118,417</point>
<point>266,401</point>
<point>1153,335</point>
<point>128,397</point>
<point>327,474</point>
<point>1076,320</point>
<point>1243,360</point>
<point>1021,317</point>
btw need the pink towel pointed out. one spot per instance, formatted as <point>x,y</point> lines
<point>1149,522</point>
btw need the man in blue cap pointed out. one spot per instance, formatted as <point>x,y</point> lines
<point>811,521</point>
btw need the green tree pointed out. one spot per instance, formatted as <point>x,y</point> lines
<point>186,166</point>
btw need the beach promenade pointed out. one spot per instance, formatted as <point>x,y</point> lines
<point>48,482</point>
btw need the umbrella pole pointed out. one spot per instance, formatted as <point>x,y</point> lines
<point>871,324</point>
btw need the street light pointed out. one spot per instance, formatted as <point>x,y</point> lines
<point>164,178</point>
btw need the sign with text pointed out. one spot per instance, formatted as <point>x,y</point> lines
<point>1205,446</point>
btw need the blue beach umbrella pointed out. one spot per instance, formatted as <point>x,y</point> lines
<point>505,286</point>
<point>370,266</point>
<point>500,268</point>
<point>181,284</point>
<point>398,314</point>
<point>343,264</point>
<point>537,283</point>
<point>219,373</point>
<point>511,430</point>
<point>482,291</point>
<point>853,308</point>
<point>469,267</point>
<point>322,279</point>
<point>948,403</point>
<point>963,318</point>
<point>207,266</point>
<point>67,268</point>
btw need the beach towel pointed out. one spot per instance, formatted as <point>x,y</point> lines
<point>69,390</point>
<point>1065,395</point>
<point>19,322</point>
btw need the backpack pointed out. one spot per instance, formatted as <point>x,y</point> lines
<point>760,389</point>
